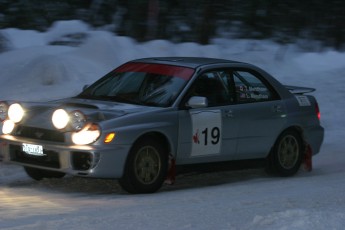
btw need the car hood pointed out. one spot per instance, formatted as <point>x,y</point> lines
<point>40,114</point>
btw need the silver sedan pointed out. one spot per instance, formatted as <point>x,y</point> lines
<point>149,116</point>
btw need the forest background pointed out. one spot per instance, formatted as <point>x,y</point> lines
<point>314,25</point>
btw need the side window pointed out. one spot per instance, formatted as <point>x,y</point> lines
<point>249,88</point>
<point>214,86</point>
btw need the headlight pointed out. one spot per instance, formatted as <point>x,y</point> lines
<point>3,111</point>
<point>7,127</point>
<point>77,120</point>
<point>60,119</point>
<point>87,135</point>
<point>15,112</point>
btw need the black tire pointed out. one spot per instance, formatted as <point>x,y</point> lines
<point>146,167</point>
<point>39,174</point>
<point>286,156</point>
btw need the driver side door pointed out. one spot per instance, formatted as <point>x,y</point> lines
<point>208,133</point>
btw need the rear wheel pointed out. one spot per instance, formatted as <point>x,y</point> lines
<point>39,174</point>
<point>146,167</point>
<point>286,156</point>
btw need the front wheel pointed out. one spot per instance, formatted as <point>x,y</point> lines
<point>146,167</point>
<point>286,155</point>
<point>39,174</point>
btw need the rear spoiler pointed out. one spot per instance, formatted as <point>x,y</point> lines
<point>299,90</point>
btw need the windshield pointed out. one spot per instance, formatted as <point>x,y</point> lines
<point>141,83</point>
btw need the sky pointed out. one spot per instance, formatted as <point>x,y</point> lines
<point>33,70</point>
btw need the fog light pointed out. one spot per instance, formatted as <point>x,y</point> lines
<point>7,127</point>
<point>60,118</point>
<point>15,112</point>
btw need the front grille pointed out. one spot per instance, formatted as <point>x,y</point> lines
<point>39,134</point>
<point>50,159</point>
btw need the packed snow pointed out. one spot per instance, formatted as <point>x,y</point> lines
<point>34,70</point>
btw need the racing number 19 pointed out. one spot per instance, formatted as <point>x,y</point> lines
<point>206,132</point>
<point>215,135</point>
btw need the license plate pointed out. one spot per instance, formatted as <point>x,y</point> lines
<point>36,150</point>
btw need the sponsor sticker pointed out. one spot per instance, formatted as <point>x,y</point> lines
<point>303,100</point>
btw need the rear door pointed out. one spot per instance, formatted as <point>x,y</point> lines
<point>262,114</point>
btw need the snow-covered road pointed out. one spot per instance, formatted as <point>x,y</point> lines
<point>243,199</point>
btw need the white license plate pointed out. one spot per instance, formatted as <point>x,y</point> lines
<point>36,150</point>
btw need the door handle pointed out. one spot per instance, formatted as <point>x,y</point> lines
<point>277,108</point>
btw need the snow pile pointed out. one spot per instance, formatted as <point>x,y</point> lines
<point>246,199</point>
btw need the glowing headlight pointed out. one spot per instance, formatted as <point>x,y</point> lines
<point>3,111</point>
<point>77,120</point>
<point>7,127</point>
<point>60,119</point>
<point>15,112</point>
<point>87,135</point>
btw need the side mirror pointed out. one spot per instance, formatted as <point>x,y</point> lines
<point>197,102</point>
<point>85,87</point>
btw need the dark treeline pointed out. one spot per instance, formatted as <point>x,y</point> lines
<point>284,21</point>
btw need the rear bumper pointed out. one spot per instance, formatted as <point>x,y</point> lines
<point>314,137</point>
<point>106,161</point>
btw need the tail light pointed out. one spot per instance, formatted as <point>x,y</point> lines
<point>317,110</point>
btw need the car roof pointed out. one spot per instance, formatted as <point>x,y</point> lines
<point>191,62</point>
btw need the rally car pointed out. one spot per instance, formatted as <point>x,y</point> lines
<point>148,116</point>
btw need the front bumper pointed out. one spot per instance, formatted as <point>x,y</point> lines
<point>105,161</point>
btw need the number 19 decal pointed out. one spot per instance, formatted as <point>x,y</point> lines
<point>215,134</point>
<point>206,132</point>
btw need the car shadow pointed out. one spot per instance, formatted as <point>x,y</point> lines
<point>187,178</point>
<point>89,186</point>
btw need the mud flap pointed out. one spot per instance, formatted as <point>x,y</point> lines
<point>171,176</point>
<point>308,163</point>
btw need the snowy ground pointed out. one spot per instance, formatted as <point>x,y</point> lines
<point>245,199</point>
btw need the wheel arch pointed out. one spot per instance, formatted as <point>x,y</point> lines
<point>129,180</point>
<point>294,128</point>
<point>298,130</point>
<point>157,136</point>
